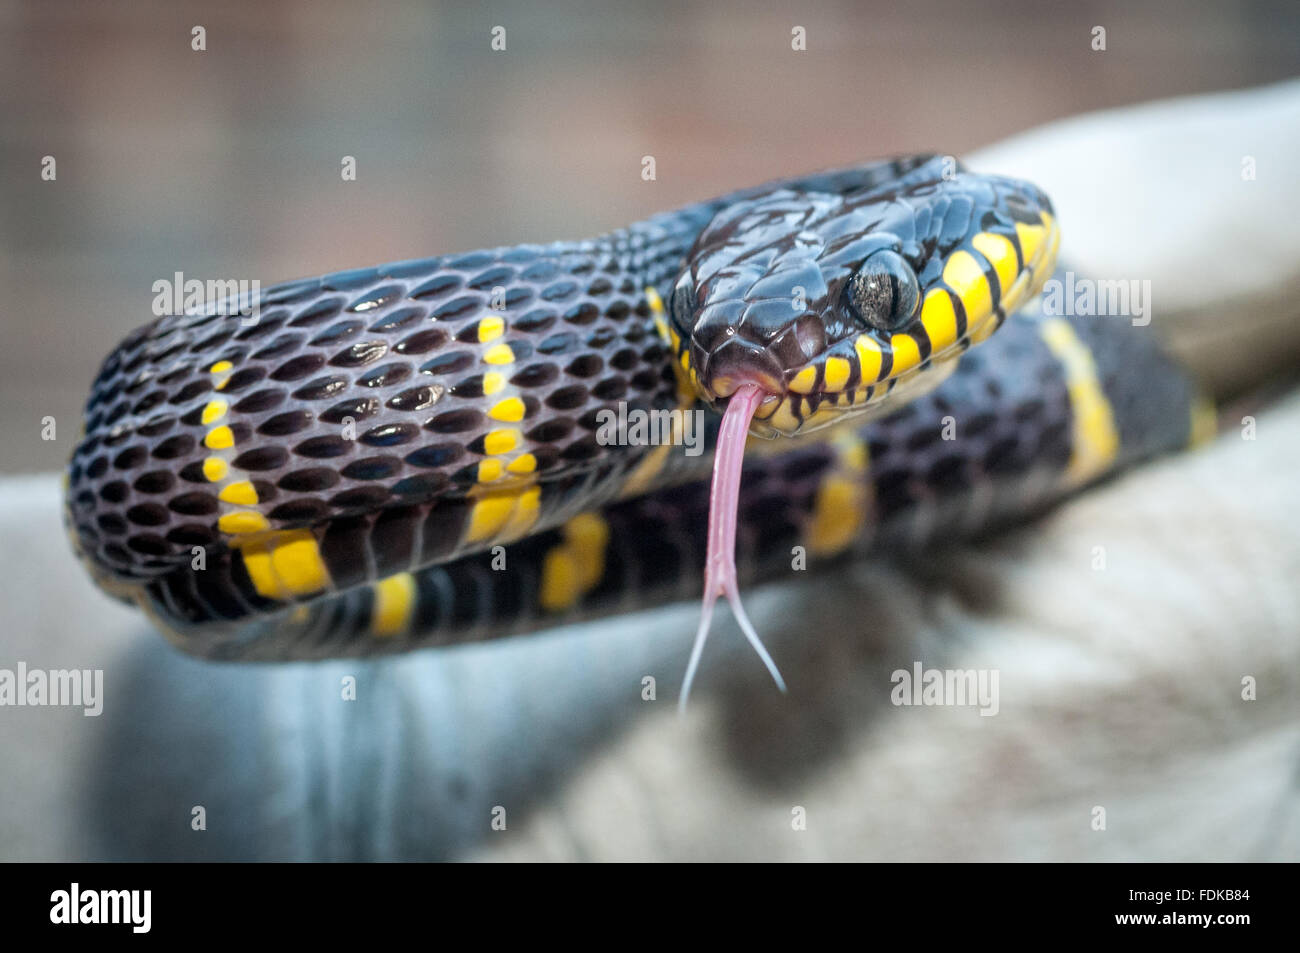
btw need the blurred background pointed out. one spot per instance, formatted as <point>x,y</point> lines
<point>226,162</point>
<point>1121,689</point>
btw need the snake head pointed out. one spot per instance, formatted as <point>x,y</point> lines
<point>851,305</point>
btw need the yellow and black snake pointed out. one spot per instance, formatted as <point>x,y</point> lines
<point>419,454</point>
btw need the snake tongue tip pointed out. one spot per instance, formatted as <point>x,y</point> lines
<point>724,500</point>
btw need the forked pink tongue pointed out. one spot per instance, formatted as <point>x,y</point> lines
<point>724,501</point>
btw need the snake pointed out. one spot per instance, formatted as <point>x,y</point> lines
<point>481,444</point>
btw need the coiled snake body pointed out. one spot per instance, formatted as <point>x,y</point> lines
<point>416,454</point>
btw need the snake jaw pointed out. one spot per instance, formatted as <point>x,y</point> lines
<point>724,500</point>
<point>736,363</point>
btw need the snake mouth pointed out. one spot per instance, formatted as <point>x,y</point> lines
<point>737,362</point>
<point>764,405</point>
<point>857,379</point>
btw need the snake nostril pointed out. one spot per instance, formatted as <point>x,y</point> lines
<point>811,335</point>
<point>787,349</point>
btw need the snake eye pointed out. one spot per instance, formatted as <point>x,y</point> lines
<point>883,293</point>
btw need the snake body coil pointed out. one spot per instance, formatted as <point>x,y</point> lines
<point>412,455</point>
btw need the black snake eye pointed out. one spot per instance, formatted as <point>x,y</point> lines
<point>883,293</point>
